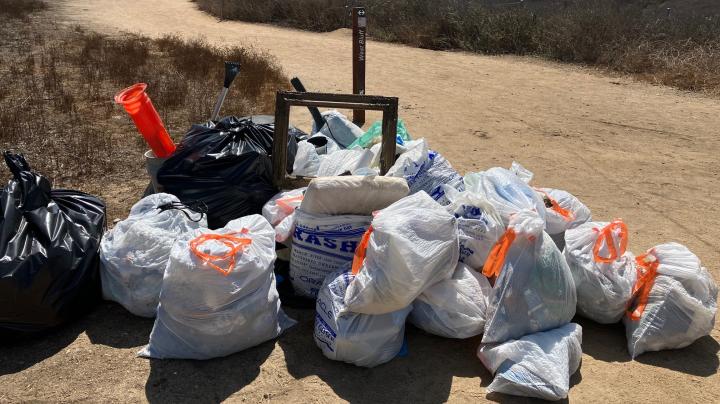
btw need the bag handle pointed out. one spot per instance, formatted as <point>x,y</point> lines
<point>284,203</point>
<point>234,243</point>
<point>196,206</point>
<point>495,260</point>
<point>361,251</point>
<point>647,272</point>
<point>555,206</point>
<point>606,235</point>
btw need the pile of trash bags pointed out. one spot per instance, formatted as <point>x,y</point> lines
<point>484,254</point>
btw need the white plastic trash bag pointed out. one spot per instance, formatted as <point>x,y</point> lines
<point>134,254</point>
<point>537,365</point>
<point>361,339</point>
<point>564,211</point>
<point>338,128</point>
<point>352,195</point>
<point>602,269</point>
<point>280,212</point>
<point>479,225</point>
<point>506,192</point>
<point>424,170</point>
<point>534,290</point>
<point>674,303</point>
<point>455,307</point>
<point>218,296</point>
<point>411,245</point>
<point>321,245</point>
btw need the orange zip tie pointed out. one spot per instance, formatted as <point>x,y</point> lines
<point>360,251</point>
<point>566,214</point>
<point>235,244</point>
<point>647,272</point>
<point>605,234</point>
<point>284,203</point>
<point>495,260</point>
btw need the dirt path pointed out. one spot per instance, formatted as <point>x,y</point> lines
<point>646,154</point>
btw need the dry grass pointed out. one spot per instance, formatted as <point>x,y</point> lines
<point>20,9</point>
<point>56,98</point>
<point>637,37</point>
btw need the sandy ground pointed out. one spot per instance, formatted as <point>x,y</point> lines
<point>646,154</point>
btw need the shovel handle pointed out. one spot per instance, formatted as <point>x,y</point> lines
<point>316,115</point>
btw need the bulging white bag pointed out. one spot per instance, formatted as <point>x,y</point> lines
<point>361,339</point>
<point>410,245</point>
<point>455,307</point>
<point>280,212</point>
<point>134,254</point>
<point>479,226</point>
<point>218,296</point>
<point>563,210</point>
<point>352,195</point>
<point>537,365</point>
<point>322,244</point>
<point>602,269</point>
<point>674,303</point>
<point>424,170</point>
<point>506,192</point>
<point>534,290</point>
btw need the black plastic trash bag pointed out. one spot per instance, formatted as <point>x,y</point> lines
<point>227,165</point>
<point>50,243</point>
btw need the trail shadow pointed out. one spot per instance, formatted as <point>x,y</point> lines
<point>16,356</point>
<point>698,359</point>
<point>604,342</point>
<point>209,381</point>
<point>424,375</point>
<point>110,324</point>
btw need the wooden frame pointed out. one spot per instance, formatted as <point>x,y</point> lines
<point>286,99</point>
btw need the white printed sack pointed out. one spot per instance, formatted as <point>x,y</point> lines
<point>410,245</point>
<point>479,226</point>
<point>602,269</point>
<point>218,296</point>
<point>321,245</point>
<point>455,307</point>
<point>534,290</point>
<point>537,365</point>
<point>134,254</point>
<point>674,302</point>
<point>424,170</point>
<point>280,212</point>
<point>361,339</point>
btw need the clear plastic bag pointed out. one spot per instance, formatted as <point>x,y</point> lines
<point>537,365</point>
<point>534,290</point>
<point>455,307</point>
<point>603,271</point>
<point>410,245</point>
<point>280,212</point>
<point>134,254</point>
<point>361,339</point>
<point>218,296</point>
<point>674,303</point>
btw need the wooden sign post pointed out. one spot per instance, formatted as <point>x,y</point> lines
<point>359,19</point>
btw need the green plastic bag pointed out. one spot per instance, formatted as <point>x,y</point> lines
<point>375,132</point>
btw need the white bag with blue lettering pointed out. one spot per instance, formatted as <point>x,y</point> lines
<point>361,339</point>
<point>218,295</point>
<point>479,226</point>
<point>134,254</point>
<point>455,307</point>
<point>425,170</point>
<point>322,244</point>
